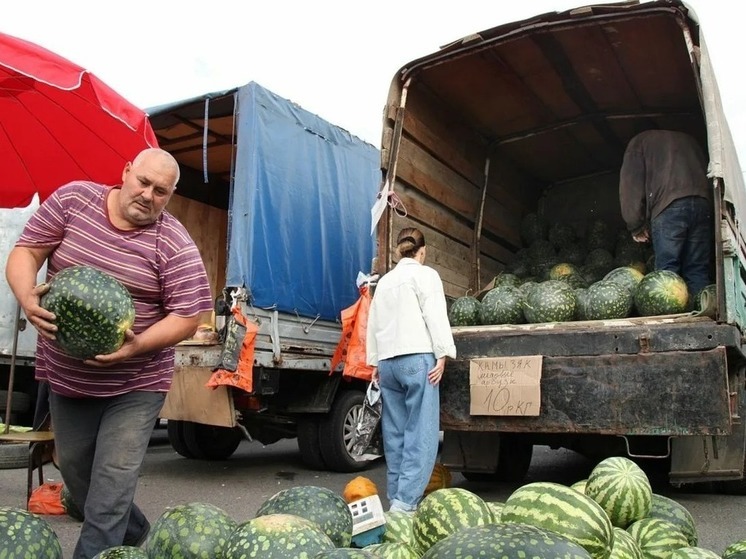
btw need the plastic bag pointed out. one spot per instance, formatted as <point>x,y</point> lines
<point>236,367</point>
<point>47,499</point>
<point>351,347</point>
<point>368,439</point>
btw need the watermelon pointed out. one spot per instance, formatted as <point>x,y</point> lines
<point>626,276</point>
<point>72,510</point>
<point>399,528</point>
<point>621,488</point>
<point>122,552</point>
<point>190,530</point>
<point>464,311</point>
<point>581,303</point>
<point>561,234</point>
<point>317,504</point>
<point>601,258</point>
<point>507,279</point>
<point>657,538</point>
<point>677,514</point>
<point>541,250</point>
<point>661,292</point>
<point>563,510</point>
<point>580,485</point>
<point>502,305</point>
<point>694,553</point>
<point>606,300</point>
<point>592,273</point>
<point>527,286</point>
<point>446,511</point>
<point>563,270</point>
<point>93,311</point>
<point>277,536</point>
<point>533,228</point>
<point>345,553</point>
<point>574,253</point>
<point>26,535</point>
<point>506,541</point>
<point>497,509</point>
<point>393,550</point>
<point>550,301</point>
<point>600,235</point>
<point>735,550</point>
<point>625,546</point>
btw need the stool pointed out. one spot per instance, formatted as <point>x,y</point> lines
<point>38,442</point>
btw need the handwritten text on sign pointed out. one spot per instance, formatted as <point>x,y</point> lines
<point>505,385</point>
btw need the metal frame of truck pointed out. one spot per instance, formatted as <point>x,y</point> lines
<point>537,113</point>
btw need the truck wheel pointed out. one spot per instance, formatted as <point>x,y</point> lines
<point>176,438</point>
<point>336,431</point>
<point>308,443</point>
<point>210,442</point>
<point>512,464</point>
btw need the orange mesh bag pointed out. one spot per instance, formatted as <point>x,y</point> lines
<point>351,346</point>
<point>236,367</point>
<point>47,499</point>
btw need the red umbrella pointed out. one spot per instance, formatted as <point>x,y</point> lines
<point>59,122</point>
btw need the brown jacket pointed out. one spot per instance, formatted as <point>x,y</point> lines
<point>659,166</point>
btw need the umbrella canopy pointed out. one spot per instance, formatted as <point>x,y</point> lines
<point>59,122</point>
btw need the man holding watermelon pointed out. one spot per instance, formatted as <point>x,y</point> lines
<point>666,198</point>
<point>104,407</point>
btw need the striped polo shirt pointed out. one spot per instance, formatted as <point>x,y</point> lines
<point>159,264</point>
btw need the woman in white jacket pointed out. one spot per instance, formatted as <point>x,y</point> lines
<point>408,340</point>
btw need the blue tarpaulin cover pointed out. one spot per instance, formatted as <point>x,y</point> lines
<point>299,215</point>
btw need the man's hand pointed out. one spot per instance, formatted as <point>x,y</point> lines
<point>436,373</point>
<point>40,318</point>
<point>128,349</point>
<point>642,237</point>
<point>374,377</point>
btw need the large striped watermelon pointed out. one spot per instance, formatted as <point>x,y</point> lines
<point>393,550</point>
<point>502,305</point>
<point>399,527</point>
<point>317,504</point>
<point>497,510</point>
<point>657,538</point>
<point>446,511</point>
<point>550,301</point>
<point>190,530</point>
<point>735,550</point>
<point>621,488</point>
<point>464,311</point>
<point>24,534</point>
<point>505,541</point>
<point>677,514</point>
<point>626,276</point>
<point>277,536</point>
<point>607,300</point>
<point>563,510</point>
<point>661,292</point>
<point>625,546</point>
<point>694,553</point>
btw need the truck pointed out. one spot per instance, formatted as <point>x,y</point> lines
<point>531,118</point>
<point>277,200</point>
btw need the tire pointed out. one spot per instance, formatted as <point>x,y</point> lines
<point>210,442</point>
<point>175,432</point>
<point>13,455</point>
<point>21,402</point>
<point>308,443</point>
<point>512,464</point>
<point>336,431</point>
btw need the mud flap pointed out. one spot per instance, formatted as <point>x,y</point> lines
<point>189,399</point>
<point>470,451</point>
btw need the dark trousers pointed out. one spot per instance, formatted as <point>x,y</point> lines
<point>683,238</point>
<point>101,444</point>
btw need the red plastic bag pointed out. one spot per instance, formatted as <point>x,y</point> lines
<point>351,347</point>
<point>236,367</point>
<point>47,499</point>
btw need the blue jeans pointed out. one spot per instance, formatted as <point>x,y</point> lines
<point>101,444</point>
<point>683,237</point>
<point>410,424</point>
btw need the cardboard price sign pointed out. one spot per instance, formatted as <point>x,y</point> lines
<point>505,385</point>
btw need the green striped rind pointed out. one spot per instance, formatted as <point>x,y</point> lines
<point>502,305</point>
<point>550,301</point>
<point>506,541</point>
<point>24,535</point>
<point>399,528</point>
<point>607,300</point>
<point>563,510</point>
<point>318,504</point>
<point>446,511</point>
<point>277,536</point>
<point>202,528</point>
<point>345,553</point>
<point>736,550</point>
<point>497,510</point>
<point>621,488</point>
<point>694,553</point>
<point>580,485</point>
<point>661,292</point>
<point>93,311</point>
<point>464,311</point>
<point>122,552</point>
<point>657,538</point>
<point>626,276</point>
<point>393,550</point>
<point>625,546</point>
<point>677,514</point>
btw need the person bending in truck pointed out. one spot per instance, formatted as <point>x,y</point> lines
<point>103,409</point>
<point>407,341</point>
<point>666,199</point>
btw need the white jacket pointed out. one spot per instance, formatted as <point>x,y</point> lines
<point>408,314</point>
